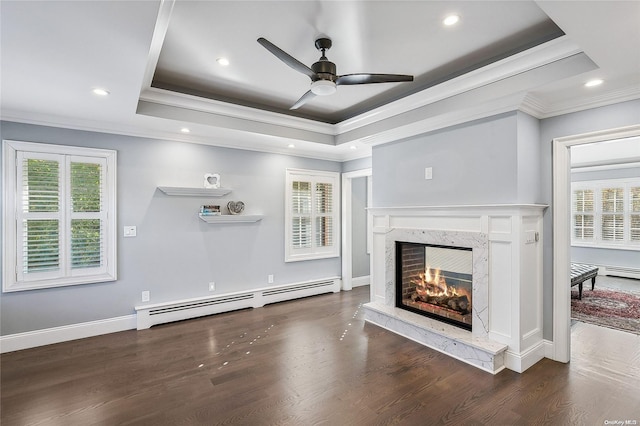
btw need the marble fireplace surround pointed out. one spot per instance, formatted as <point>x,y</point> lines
<point>506,243</point>
<point>473,347</point>
<point>480,273</point>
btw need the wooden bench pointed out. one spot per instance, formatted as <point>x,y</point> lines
<point>580,273</point>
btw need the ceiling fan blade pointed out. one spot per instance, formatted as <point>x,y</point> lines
<point>350,79</point>
<point>286,58</point>
<point>303,100</point>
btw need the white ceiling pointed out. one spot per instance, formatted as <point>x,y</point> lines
<point>157,59</point>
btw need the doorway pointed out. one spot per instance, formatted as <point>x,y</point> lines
<point>562,228</point>
<point>348,223</point>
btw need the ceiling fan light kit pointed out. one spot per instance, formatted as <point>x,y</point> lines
<point>323,74</point>
<point>323,87</point>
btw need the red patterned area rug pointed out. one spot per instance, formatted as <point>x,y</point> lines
<point>607,308</point>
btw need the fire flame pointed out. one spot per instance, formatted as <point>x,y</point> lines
<point>432,284</point>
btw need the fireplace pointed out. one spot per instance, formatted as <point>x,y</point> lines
<point>505,274</point>
<point>435,281</point>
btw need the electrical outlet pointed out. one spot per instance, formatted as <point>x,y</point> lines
<point>146,296</point>
<point>212,286</point>
<point>270,278</point>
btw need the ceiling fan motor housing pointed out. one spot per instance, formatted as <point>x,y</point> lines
<point>324,69</point>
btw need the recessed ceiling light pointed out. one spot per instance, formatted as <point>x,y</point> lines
<point>593,83</point>
<point>185,130</point>
<point>451,20</point>
<point>291,145</point>
<point>353,147</point>
<point>100,92</point>
<point>223,61</point>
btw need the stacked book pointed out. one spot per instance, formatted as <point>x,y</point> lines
<point>210,210</point>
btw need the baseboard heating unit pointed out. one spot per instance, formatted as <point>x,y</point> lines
<point>620,271</point>
<point>160,313</point>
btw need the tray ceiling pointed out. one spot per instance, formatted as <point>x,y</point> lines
<point>158,61</point>
<point>368,36</point>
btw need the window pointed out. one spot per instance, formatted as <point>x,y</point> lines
<point>59,218</point>
<point>612,214</point>
<point>606,213</point>
<point>312,221</point>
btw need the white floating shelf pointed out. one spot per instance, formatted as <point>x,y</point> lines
<point>194,192</point>
<point>231,218</point>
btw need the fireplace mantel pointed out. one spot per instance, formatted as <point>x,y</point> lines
<point>507,244</point>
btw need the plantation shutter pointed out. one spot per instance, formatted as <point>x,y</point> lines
<point>324,211</point>
<point>61,217</point>
<point>612,225</point>
<point>87,213</point>
<point>606,213</point>
<point>39,220</point>
<point>634,215</point>
<point>311,215</point>
<point>301,215</point>
<point>583,208</point>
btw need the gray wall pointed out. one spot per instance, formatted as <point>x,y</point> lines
<point>360,257</point>
<point>474,163</point>
<point>175,255</point>
<point>358,164</point>
<point>529,189</point>
<point>605,256</point>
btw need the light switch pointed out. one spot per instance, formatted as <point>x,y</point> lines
<point>428,173</point>
<point>531,237</point>
<point>130,231</point>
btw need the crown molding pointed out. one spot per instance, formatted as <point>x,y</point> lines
<point>154,95</point>
<point>231,140</point>
<point>159,33</point>
<point>581,104</point>
<point>533,106</point>
<point>538,56</point>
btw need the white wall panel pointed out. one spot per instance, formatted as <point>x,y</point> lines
<point>501,281</point>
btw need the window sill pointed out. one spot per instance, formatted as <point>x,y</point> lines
<point>607,246</point>
<point>301,258</point>
<point>9,287</point>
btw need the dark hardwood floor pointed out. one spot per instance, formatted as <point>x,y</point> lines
<point>308,362</point>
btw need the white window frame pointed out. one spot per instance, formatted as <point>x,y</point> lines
<point>314,252</point>
<point>13,279</point>
<point>597,186</point>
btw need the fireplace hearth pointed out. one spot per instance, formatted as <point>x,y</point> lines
<point>435,281</point>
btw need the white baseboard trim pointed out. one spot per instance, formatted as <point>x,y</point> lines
<point>522,361</point>
<point>48,336</point>
<point>549,349</point>
<point>361,281</point>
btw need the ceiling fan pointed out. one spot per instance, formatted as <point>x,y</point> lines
<point>324,80</point>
